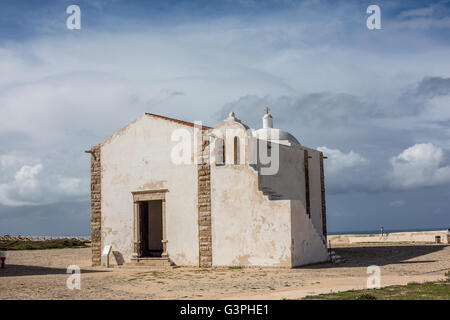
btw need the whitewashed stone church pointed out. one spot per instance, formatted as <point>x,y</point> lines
<point>173,192</point>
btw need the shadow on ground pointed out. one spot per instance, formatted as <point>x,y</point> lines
<point>363,256</point>
<point>14,270</point>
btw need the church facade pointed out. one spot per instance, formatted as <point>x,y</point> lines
<point>166,190</point>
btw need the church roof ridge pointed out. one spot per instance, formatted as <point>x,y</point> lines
<point>186,123</point>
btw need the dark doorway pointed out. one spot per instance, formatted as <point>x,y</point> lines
<point>150,223</point>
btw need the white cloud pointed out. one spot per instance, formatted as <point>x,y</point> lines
<point>26,177</point>
<point>343,171</point>
<point>13,161</point>
<point>30,187</point>
<point>338,161</point>
<point>70,186</point>
<point>432,16</point>
<point>23,188</point>
<point>419,166</point>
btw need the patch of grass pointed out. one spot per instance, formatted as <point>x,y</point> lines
<point>412,291</point>
<point>235,268</point>
<point>366,296</point>
<point>41,245</point>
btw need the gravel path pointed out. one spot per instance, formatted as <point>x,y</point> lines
<point>41,274</point>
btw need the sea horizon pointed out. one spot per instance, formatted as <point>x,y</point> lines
<point>386,230</point>
<point>331,233</point>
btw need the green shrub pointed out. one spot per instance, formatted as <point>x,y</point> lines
<point>41,245</point>
<point>366,296</point>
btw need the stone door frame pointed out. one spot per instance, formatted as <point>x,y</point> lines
<point>148,195</point>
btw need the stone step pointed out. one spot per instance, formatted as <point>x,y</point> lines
<point>152,262</point>
<point>272,195</point>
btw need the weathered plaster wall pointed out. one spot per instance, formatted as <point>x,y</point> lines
<point>289,183</point>
<point>248,229</point>
<point>307,244</point>
<point>259,231</point>
<point>138,157</point>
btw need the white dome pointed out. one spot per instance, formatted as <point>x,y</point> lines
<point>276,135</point>
<point>269,133</point>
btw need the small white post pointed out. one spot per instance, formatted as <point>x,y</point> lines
<point>105,256</point>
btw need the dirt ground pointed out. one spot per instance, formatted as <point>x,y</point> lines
<point>41,274</point>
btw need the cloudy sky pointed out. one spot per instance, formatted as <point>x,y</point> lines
<point>376,102</point>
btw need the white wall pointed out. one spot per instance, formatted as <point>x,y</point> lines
<point>138,158</point>
<point>251,230</point>
<point>420,236</point>
<point>307,244</point>
<point>247,228</point>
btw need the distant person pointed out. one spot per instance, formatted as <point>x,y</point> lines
<point>3,258</point>
<point>382,231</point>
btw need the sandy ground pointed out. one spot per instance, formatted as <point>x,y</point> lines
<point>42,275</point>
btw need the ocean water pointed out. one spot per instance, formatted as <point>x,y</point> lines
<point>385,231</point>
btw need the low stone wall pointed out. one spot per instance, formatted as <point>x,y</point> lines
<point>420,236</point>
<point>42,238</point>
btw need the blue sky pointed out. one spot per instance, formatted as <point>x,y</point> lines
<point>377,102</point>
